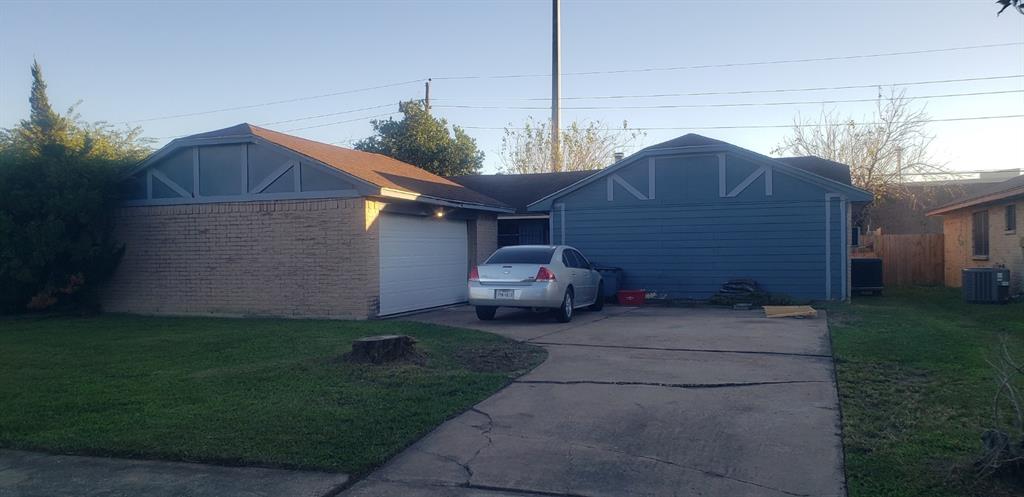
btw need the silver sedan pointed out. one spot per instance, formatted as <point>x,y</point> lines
<point>554,277</point>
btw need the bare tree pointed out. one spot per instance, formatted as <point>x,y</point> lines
<point>1004,442</point>
<point>1016,4</point>
<point>884,151</point>
<point>583,146</point>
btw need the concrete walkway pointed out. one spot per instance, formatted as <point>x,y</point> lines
<point>649,401</point>
<point>30,474</point>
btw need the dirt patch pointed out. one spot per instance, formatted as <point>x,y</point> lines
<point>509,357</point>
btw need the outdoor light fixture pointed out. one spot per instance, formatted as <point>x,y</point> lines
<point>439,213</point>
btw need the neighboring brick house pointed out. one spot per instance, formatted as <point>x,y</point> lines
<point>983,230</point>
<point>248,221</point>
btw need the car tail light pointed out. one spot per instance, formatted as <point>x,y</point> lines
<point>545,274</point>
<point>474,275</point>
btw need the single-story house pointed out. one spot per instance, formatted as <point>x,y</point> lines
<point>982,230</point>
<point>521,227</point>
<point>249,221</point>
<point>684,216</point>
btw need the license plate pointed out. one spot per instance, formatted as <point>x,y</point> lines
<point>504,294</point>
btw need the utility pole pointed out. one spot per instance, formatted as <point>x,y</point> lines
<point>899,164</point>
<point>426,99</point>
<point>556,88</point>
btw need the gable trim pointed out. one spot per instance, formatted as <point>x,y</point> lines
<point>852,193</point>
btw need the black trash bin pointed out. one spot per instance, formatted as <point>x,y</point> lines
<point>612,279</point>
<point>866,276</point>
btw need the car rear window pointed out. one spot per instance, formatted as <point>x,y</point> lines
<point>522,255</point>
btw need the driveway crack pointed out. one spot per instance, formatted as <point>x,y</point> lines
<point>667,385</point>
<point>674,349</point>
<point>711,473</point>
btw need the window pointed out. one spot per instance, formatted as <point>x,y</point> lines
<point>570,258</point>
<point>584,263</point>
<point>979,233</point>
<point>1011,217</point>
<point>521,255</point>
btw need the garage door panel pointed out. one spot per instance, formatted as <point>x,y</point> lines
<point>423,262</point>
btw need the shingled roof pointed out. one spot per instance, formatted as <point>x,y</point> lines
<point>520,190</point>
<point>1012,187</point>
<point>379,170</point>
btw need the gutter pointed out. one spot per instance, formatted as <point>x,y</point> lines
<point>427,199</point>
<point>993,197</point>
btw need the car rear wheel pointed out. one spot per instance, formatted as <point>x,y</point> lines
<point>599,299</point>
<point>485,312</point>
<point>565,312</point>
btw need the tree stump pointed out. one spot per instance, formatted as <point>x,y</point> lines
<point>383,348</point>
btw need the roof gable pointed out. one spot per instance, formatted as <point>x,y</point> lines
<point>697,144</point>
<point>385,174</point>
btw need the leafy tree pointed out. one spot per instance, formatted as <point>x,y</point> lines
<point>58,179</point>
<point>424,141</point>
<point>584,147</point>
<point>1016,4</point>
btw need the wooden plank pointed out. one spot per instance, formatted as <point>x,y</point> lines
<point>789,311</point>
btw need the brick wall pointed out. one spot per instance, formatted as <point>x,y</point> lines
<point>308,258</point>
<point>483,237</point>
<point>1004,247</point>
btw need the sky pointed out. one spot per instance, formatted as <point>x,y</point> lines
<point>139,63</point>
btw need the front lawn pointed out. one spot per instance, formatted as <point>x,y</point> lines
<point>237,391</point>
<point>917,391</point>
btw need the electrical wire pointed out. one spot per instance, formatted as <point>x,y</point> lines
<point>583,73</point>
<point>735,64</point>
<point>694,106</point>
<point>742,92</point>
<point>306,118</point>
<point>274,102</point>
<point>342,122</point>
<point>765,126</point>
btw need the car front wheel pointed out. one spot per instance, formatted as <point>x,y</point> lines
<point>485,313</point>
<point>566,310</point>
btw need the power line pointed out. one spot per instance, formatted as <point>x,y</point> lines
<point>737,64</point>
<point>306,118</point>
<point>315,126</point>
<point>583,73</point>
<point>275,102</point>
<point>734,104</point>
<point>744,92</point>
<point>768,126</point>
<point>341,122</point>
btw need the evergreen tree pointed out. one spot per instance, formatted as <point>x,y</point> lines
<point>58,178</point>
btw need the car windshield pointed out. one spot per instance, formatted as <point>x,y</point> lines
<point>522,255</point>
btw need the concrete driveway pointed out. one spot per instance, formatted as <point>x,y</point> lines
<point>640,401</point>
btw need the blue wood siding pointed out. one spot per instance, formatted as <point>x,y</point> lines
<point>687,240</point>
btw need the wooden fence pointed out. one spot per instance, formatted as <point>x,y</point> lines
<point>907,260</point>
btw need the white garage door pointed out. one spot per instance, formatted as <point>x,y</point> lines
<point>423,262</point>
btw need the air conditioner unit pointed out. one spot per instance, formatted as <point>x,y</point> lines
<point>986,284</point>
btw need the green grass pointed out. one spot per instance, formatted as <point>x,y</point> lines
<point>234,391</point>
<point>917,391</point>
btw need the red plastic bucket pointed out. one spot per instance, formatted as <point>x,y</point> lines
<point>631,297</point>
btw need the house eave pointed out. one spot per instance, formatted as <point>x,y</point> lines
<point>427,199</point>
<point>987,199</point>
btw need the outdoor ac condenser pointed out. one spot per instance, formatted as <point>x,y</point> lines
<point>986,284</point>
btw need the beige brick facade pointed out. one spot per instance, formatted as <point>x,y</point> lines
<point>308,258</point>
<point>483,237</point>
<point>1005,247</point>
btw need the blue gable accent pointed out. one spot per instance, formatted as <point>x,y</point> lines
<point>708,216</point>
